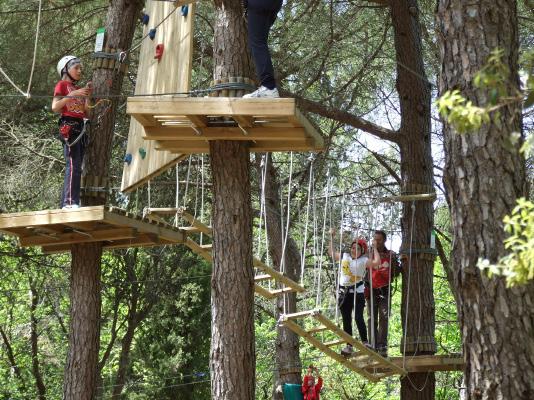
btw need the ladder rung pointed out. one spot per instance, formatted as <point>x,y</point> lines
<point>260,278</point>
<point>191,229</point>
<point>206,246</point>
<point>282,291</point>
<point>317,330</point>
<point>334,343</point>
<point>298,315</point>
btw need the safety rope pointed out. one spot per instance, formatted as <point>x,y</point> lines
<point>305,237</point>
<point>35,48</point>
<point>319,294</point>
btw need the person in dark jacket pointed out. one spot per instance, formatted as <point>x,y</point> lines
<point>261,15</point>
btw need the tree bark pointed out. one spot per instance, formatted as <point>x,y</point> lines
<point>483,178</point>
<point>82,359</point>
<point>418,311</point>
<point>34,339</point>
<point>232,357</point>
<point>288,363</point>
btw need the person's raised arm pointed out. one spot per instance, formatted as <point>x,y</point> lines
<point>334,254</point>
<point>375,261</point>
<point>59,102</point>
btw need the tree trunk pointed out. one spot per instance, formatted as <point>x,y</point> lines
<point>483,178</point>
<point>288,364</point>
<point>232,358</point>
<point>417,174</point>
<point>34,339</point>
<point>82,359</point>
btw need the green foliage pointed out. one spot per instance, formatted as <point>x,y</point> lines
<point>517,266</point>
<point>461,113</point>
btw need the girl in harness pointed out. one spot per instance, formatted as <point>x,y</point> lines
<point>351,287</point>
<point>72,125</point>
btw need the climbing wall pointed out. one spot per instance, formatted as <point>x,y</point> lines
<point>171,74</point>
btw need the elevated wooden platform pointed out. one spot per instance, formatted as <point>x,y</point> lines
<point>268,274</point>
<point>184,125</point>
<point>57,230</point>
<point>431,363</point>
<point>364,361</point>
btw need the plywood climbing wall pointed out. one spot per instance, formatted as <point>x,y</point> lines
<point>172,74</point>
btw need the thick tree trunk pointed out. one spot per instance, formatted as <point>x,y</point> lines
<point>288,364</point>
<point>416,173</point>
<point>483,178</point>
<point>82,359</point>
<point>232,285</point>
<point>232,363</point>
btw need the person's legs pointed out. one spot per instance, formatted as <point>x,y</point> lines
<point>73,171</point>
<point>372,315</point>
<point>382,335</point>
<point>345,306</point>
<point>259,24</point>
<point>358,316</point>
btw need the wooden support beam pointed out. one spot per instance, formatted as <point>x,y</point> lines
<point>169,136</point>
<point>334,343</point>
<point>261,278</point>
<point>75,237</point>
<point>199,121</point>
<point>317,329</point>
<point>430,363</point>
<point>409,197</point>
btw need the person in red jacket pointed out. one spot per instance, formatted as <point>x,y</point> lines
<point>311,389</point>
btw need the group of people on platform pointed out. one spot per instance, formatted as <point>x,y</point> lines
<point>365,277</point>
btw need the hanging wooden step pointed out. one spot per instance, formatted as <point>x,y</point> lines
<point>204,251</point>
<point>56,231</point>
<point>431,363</point>
<point>364,361</point>
<point>185,125</point>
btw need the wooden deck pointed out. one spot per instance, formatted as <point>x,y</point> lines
<point>185,125</point>
<point>57,230</point>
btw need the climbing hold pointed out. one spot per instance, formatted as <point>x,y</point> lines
<point>159,52</point>
<point>145,18</point>
<point>185,10</point>
<point>142,152</point>
<point>128,158</point>
<point>152,33</point>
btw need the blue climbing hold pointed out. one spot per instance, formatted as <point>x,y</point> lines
<point>152,33</point>
<point>142,152</point>
<point>128,158</point>
<point>185,10</point>
<point>145,18</point>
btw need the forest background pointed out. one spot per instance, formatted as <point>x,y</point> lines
<point>156,302</point>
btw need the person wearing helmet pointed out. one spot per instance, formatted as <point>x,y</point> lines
<point>261,15</point>
<point>351,286</point>
<point>379,290</point>
<point>72,103</point>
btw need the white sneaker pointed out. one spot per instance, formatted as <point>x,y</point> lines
<point>71,207</point>
<point>263,92</point>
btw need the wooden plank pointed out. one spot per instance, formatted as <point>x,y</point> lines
<point>181,133</point>
<point>196,223</point>
<point>145,119</point>
<point>141,240</point>
<point>279,277</point>
<point>282,291</point>
<point>45,218</point>
<point>298,315</point>
<point>167,233</point>
<point>75,237</point>
<point>263,292</point>
<point>83,226</point>
<point>409,197</point>
<point>200,121</point>
<point>163,211</point>
<point>261,278</point>
<point>317,329</point>
<point>334,343</point>
<point>199,250</point>
<point>212,106</point>
<point>427,363</point>
<point>244,121</point>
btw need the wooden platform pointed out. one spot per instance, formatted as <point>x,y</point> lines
<point>57,230</point>
<point>284,283</point>
<point>431,363</point>
<point>186,125</point>
<point>364,361</point>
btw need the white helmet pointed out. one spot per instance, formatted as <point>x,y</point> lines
<point>63,63</point>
